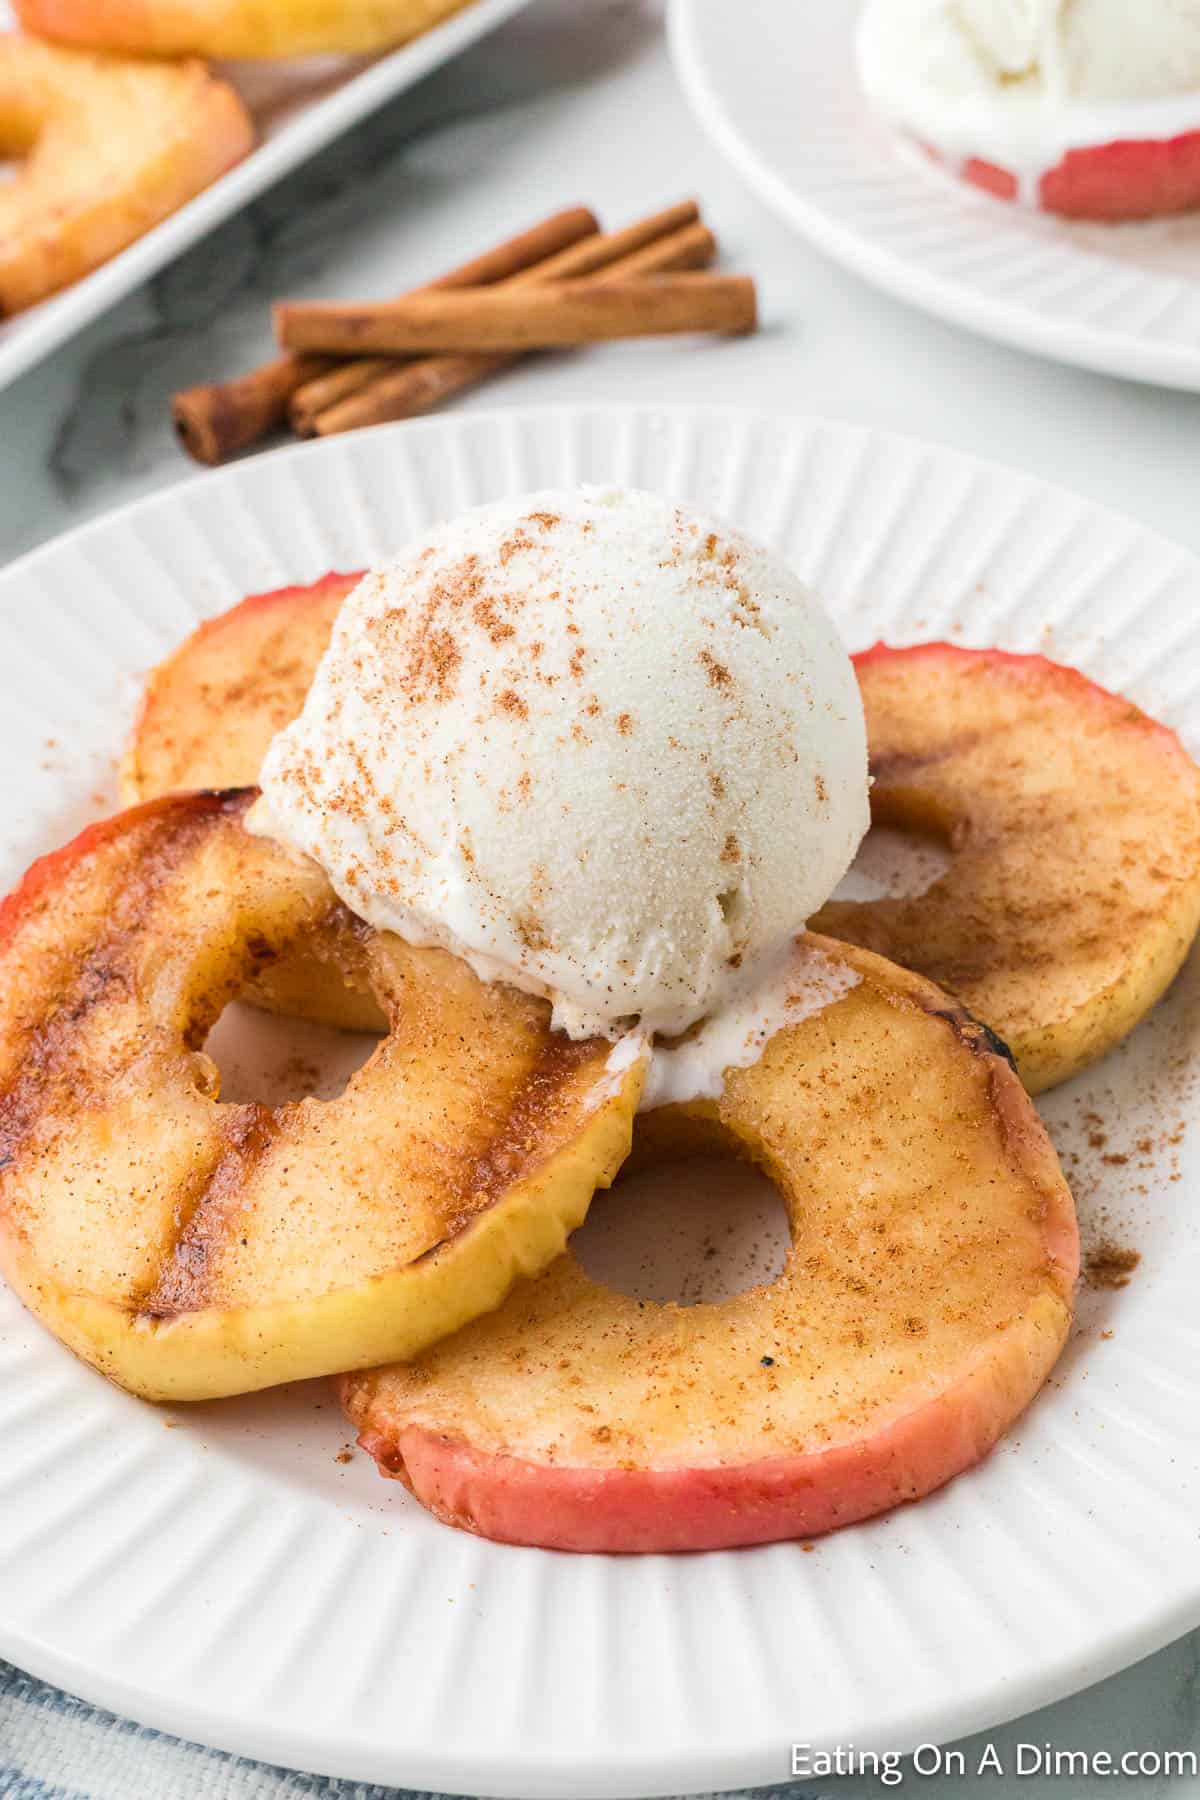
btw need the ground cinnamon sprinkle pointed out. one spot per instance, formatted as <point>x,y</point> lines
<point>1110,1265</point>
<point>520,541</point>
<point>432,665</point>
<point>716,671</point>
<point>487,617</point>
<point>532,932</point>
<point>300,1075</point>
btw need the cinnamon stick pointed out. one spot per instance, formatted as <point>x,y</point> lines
<point>217,419</point>
<point>546,317</point>
<point>337,384</point>
<point>608,248</point>
<point>327,389</point>
<point>417,387</point>
<point>694,247</point>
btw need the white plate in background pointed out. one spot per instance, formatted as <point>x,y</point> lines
<point>300,106</point>
<point>230,1579</point>
<point>774,83</point>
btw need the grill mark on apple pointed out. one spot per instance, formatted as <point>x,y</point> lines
<point>521,1144</point>
<point>45,1080</point>
<point>184,1274</point>
<point>53,1078</point>
<point>203,1215</point>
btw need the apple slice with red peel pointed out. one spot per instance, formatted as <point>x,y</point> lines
<point>1110,184</point>
<point>1074,892</point>
<point>210,710</point>
<point>1144,179</point>
<point>191,1249</point>
<point>925,1298</point>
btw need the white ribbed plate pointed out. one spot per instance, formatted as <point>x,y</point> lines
<point>228,1579</point>
<point>298,109</point>
<point>774,83</point>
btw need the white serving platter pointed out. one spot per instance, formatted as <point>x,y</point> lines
<point>299,109</point>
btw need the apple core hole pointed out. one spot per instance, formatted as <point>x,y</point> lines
<point>686,1229</point>
<point>894,864</point>
<point>265,1058</point>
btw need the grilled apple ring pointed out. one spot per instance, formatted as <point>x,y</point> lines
<point>190,1249</point>
<point>1074,893</point>
<point>925,1298</point>
<point>250,668</point>
<point>109,148</point>
<point>235,28</point>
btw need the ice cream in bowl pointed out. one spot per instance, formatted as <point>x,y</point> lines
<point>1086,108</point>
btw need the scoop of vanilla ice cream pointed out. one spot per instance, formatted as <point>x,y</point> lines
<point>1006,35</point>
<point>1092,50</point>
<point>931,63</point>
<point>1108,50</point>
<point>599,745</point>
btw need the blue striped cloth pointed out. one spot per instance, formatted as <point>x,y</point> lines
<point>55,1747</point>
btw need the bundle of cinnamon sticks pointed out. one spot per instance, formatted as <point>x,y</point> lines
<point>563,282</point>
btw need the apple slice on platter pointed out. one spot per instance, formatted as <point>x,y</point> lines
<point>1074,822</point>
<point>190,1248</point>
<point>925,1298</point>
<point>209,711</point>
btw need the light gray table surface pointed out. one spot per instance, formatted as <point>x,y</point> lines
<point>574,101</point>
